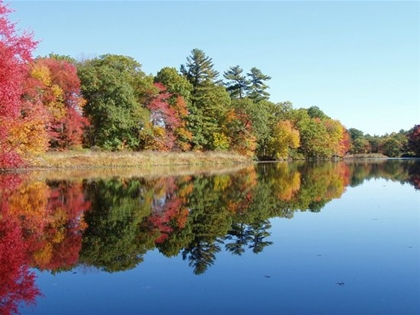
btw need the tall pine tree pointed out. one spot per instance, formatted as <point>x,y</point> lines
<point>237,84</point>
<point>209,101</point>
<point>257,91</point>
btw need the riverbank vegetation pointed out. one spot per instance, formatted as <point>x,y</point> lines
<point>146,159</point>
<point>108,104</point>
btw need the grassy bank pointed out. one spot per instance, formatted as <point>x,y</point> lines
<point>366,156</point>
<point>92,159</point>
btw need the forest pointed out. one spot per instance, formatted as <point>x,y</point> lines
<point>108,103</point>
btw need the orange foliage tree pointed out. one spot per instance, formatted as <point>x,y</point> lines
<point>238,129</point>
<point>54,83</point>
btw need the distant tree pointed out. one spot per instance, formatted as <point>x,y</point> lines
<point>391,147</point>
<point>316,112</point>
<point>199,69</point>
<point>59,57</point>
<point>355,133</point>
<point>237,84</point>
<point>374,143</point>
<point>338,140</point>
<point>257,88</point>
<point>313,137</point>
<point>345,143</point>
<point>360,146</point>
<point>283,110</point>
<point>414,140</point>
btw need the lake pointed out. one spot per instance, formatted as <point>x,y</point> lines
<point>275,238</point>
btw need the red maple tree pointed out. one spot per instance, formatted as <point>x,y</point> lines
<point>15,55</point>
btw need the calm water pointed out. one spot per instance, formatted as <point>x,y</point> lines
<point>325,238</point>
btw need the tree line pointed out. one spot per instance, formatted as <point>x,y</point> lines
<point>108,103</point>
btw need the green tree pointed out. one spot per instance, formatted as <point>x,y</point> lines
<point>113,86</point>
<point>283,110</point>
<point>360,146</point>
<point>374,143</point>
<point>261,119</point>
<point>359,143</point>
<point>316,112</point>
<point>199,69</point>
<point>175,83</point>
<point>257,88</point>
<point>391,147</point>
<point>209,102</point>
<point>355,133</point>
<point>237,84</point>
<point>314,139</point>
<point>413,136</point>
<point>62,58</point>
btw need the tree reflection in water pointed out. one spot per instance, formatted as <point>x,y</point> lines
<point>111,223</point>
<point>17,283</point>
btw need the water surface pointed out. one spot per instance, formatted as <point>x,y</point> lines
<point>300,238</point>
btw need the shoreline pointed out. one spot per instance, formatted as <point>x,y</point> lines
<point>95,160</point>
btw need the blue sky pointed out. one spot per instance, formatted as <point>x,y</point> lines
<point>358,61</point>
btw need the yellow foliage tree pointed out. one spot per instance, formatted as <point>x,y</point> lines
<point>284,138</point>
<point>220,141</point>
<point>28,135</point>
<point>50,94</point>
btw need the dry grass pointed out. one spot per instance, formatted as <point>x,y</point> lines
<point>366,156</point>
<point>89,164</point>
<point>91,159</point>
<point>131,172</point>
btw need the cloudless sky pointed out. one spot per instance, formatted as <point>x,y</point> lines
<point>358,61</point>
